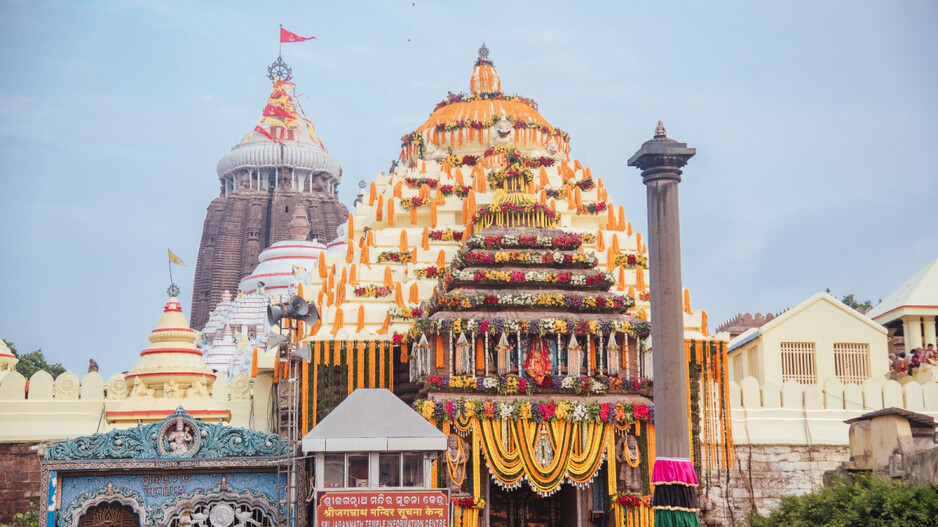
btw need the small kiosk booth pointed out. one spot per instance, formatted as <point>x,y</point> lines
<point>371,459</point>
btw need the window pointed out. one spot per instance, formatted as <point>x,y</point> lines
<point>389,470</point>
<point>413,469</point>
<point>753,358</point>
<point>798,362</point>
<point>852,362</point>
<point>357,470</point>
<point>738,367</point>
<point>334,473</point>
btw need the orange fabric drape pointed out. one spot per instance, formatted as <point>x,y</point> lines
<point>480,354</point>
<point>398,296</point>
<point>620,285</point>
<point>433,215</point>
<point>403,240</point>
<point>361,364</point>
<point>413,256</point>
<point>440,361</point>
<point>425,238</point>
<point>414,294</point>
<point>385,326</point>
<point>611,219</point>
<point>361,318</point>
<point>640,278</point>
<point>390,212</point>
<point>378,211</point>
<point>621,225</point>
<point>353,275</point>
<point>351,226</point>
<point>323,272</point>
<point>350,253</point>
<point>600,241</point>
<point>388,276</point>
<point>372,193</point>
<point>441,258</point>
<point>338,322</point>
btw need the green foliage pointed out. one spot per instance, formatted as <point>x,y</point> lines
<point>28,519</point>
<point>34,361</point>
<point>867,501</point>
<point>853,303</point>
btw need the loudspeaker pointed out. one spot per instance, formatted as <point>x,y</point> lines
<point>300,309</point>
<point>303,353</point>
<point>275,314</point>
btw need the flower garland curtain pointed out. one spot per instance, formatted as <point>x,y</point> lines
<point>353,364</point>
<point>578,451</point>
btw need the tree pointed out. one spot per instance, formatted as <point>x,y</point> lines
<point>853,303</point>
<point>34,361</point>
<point>869,501</point>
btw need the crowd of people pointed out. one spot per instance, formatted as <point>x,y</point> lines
<point>908,364</point>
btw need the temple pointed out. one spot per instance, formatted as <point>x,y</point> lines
<point>281,168</point>
<point>489,280</point>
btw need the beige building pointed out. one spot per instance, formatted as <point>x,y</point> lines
<point>818,339</point>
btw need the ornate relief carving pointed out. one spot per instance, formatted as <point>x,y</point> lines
<point>110,494</point>
<point>240,387</point>
<point>66,387</point>
<point>116,387</point>
<point>165,439</point>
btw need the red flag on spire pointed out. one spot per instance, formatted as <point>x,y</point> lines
<point>289,36</point>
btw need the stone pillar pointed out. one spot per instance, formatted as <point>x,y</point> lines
<point>890,340</point>
<point>928,323</point>
<point>660,161</point>
<point>912,329</point>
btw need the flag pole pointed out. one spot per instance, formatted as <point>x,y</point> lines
<point>280,43</point>
<point>170,264</point>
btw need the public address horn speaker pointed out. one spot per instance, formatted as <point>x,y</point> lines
<point>300,309</point>
<point>275,314</point>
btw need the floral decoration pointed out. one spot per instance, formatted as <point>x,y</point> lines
<point>372,291</point>
<point>631,260</point>
<point>446,235</point>
<point>394,256</point>
<point>621,413</point>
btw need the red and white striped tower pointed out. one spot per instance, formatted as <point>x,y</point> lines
<point>170,373</point>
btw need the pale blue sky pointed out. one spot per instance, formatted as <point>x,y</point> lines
<point>814,123</point>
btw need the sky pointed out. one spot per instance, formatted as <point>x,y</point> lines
<point>812,123</point>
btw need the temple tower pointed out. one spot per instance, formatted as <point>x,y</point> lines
<point>675,497</point>
<point>278,176</point>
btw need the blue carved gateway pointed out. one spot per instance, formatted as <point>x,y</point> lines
<point>177,472</point>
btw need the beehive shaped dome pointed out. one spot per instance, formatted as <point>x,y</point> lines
<point>471,123</point>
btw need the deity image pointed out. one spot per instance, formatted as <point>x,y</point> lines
<point>456,457</point>
<point>537,362</point>
<point>501,133</point>
<point>630,476</point>
<point>180,438</point>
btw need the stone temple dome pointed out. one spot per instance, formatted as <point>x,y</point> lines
<point>278,184</point>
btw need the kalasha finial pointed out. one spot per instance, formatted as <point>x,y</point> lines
<point>483,52</point>
<point>172,290</point>
<point>660,131</point>
<point>279,71</point>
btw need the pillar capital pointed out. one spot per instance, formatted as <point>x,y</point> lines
<point>661,157</point>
